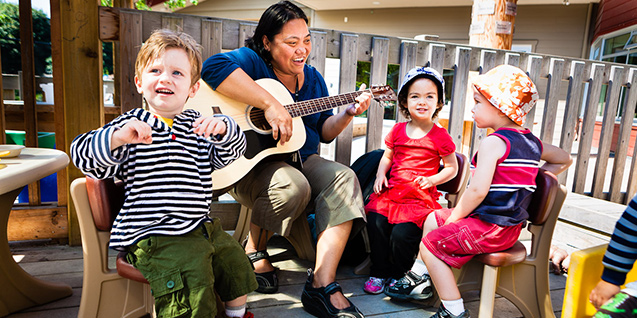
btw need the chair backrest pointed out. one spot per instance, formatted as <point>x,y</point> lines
<point>543,198</point>
<point>106,198</point>
<point>459,182</point>
<point>456,186</point>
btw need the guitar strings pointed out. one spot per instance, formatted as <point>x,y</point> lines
<point>257,115</point>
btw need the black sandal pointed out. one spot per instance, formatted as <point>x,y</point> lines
<point>316,301</point>
<point>268,281</point>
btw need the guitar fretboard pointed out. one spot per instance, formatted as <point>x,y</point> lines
<point>320,104</point>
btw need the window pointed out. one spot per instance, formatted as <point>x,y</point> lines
<point>617,47</point>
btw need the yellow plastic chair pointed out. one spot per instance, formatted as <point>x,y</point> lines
<point>584,272</point>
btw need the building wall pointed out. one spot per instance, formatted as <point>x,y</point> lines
<point>550,29</point>
<point>615,15</point>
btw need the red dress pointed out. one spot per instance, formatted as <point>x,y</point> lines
<point>404,200</point>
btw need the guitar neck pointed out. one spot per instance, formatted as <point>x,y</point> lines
<point>318,105</point>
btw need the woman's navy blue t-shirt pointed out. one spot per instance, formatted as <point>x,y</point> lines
<point>219,66</point>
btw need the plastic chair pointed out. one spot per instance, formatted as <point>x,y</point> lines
<point>584,272</point>
<point>107,292</point>
<point>522,279</point>
<point>453,188</point>
<point>104,292</point>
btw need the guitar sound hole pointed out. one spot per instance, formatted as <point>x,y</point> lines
<point>257,119</point>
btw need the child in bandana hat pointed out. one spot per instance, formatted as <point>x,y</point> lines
<point>492,210</point>
<point>399,205</point>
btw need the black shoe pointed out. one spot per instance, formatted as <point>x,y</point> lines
<point>268,281</point>
<point>412,286</point>
<point>444,313</point>
<point>316,301</point>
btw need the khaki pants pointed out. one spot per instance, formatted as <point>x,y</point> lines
<point>278,193</point>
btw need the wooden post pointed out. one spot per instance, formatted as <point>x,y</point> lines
<point>3,125</point>
<point>77,64</point>
<point>28,88</point>
<point>492,23</point>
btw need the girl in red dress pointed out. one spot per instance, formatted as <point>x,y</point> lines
<point>402,201</point>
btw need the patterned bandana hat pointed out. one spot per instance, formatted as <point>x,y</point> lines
<point>426,72</point>
<point>510,90</point>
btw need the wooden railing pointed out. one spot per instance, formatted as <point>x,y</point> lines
<point>568,114</point>
<point>570,88</point>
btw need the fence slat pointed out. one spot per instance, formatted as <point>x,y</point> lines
<point>571,111</point>
<point>130,39</point>
<point>534,68</point>
<point>595,81</point>
<point>512,59</point>
<point>246,30</point>
<point>347,83</point>
<point>211,37</point>
<point>459,95</point>
<point>378,76</point>
<point>551,100</point>
<point>436,57</point>
<point>631,101</point>
<point>487,62</point>
<point>408,55</point>
<point>172,23</point>
<point>608,125</point>
<point>319,49</point>
<point>621,149</point>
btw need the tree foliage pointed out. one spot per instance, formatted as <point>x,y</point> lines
<point>143,4</point>
<point>10,40</point>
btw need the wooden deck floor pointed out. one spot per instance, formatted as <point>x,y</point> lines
<point>64,264</point>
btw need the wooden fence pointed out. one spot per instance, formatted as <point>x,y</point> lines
<point>571,88</point>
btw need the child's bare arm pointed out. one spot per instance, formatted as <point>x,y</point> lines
<point>381,172</point>
<point>133,132</point>
<point>449,170</point>
<point>557,160</point>
<point>491,150</point>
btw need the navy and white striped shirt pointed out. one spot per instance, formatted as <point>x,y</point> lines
<point>168,184</point>
<point>622,249</point>
<point>513,179</point>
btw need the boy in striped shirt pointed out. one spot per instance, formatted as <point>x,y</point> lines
<point>165,156</point>
<point>619,259</point>
<point>492,211</point>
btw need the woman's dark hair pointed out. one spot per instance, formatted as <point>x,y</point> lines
<point>402,96</point>
<point>271,23</point>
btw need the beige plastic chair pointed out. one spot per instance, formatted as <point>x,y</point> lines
<point>107,292</point>
<point>104,292</point>
<point>453,188</point>
<point>520,278</point>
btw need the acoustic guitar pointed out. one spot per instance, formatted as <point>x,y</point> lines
<point>260,143</point>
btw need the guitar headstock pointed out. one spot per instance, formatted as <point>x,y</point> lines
<point>382,93</point>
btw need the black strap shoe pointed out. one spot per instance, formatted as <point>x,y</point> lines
<point>316,301</point>
<point>268,281</point>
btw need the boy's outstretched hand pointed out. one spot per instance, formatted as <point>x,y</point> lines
<point>133,132</point>
<point>209,126</point>
<point>602,293</point>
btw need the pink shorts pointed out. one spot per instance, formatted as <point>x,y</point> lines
<point>458,242</point>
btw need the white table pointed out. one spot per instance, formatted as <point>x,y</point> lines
<point>18,289</point>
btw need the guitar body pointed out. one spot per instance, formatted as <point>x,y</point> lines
<point>260,143</point>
